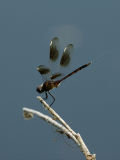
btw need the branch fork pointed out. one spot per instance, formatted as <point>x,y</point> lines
<point>61,125</point>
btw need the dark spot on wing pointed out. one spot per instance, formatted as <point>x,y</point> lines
<point>43,69</point>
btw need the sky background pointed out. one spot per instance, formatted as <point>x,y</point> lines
<point>89,101</point>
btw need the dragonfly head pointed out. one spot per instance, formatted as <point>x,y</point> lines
<point>39,89</point>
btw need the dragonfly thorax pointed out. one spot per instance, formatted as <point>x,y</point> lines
<point>47,86</point>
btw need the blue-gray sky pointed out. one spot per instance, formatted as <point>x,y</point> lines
<point>89,101</point>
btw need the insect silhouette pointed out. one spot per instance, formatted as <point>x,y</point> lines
<point>52,80</point>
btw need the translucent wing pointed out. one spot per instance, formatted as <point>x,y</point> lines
<point>56,75</point>
<point>43,69</point>
<point>66,56</point>
<point>46,73</point>
<point>54,49</point>
<point>65,60</point>
<point>54,54</point>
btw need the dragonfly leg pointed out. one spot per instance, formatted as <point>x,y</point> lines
<point>52,98</point>
<point>46,96</point>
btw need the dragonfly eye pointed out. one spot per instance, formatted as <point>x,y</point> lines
<point>39,89</point>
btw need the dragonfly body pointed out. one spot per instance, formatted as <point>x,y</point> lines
<point>47,86</point>
<point>51,83</point>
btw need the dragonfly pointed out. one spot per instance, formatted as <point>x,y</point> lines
<point>53,79</point>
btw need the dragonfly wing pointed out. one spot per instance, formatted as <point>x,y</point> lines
<point>66,56</point>
<point>56,75</point>
<point>65,60</point>
<point>54,49</point>
<point>44,71</point>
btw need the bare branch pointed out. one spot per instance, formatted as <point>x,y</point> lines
<point>63,126</point>
<point>51,121</point>
<point>55,115</point>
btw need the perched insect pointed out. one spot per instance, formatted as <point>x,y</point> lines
<point>50,82</point>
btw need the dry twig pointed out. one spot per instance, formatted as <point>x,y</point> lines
<point>59,123</point>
